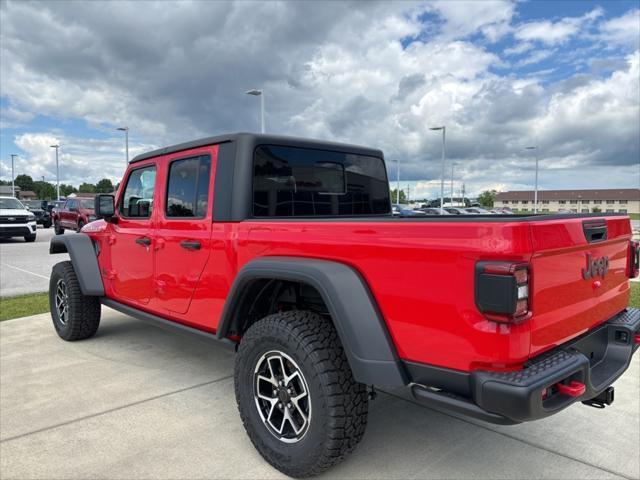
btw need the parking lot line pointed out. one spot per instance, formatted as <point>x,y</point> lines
<point>26,271</point>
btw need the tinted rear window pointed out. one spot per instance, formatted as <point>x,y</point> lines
<point>291,182</point>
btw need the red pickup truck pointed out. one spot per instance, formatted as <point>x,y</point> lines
<point>286,250</point>
<point>73,215</point>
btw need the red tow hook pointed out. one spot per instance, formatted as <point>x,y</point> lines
<point>574,389</point>
<point>636,339</point>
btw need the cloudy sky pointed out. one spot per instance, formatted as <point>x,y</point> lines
<point>500,75</point>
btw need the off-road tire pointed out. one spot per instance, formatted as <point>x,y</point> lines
<point>83,312</point>
<point>339,404</point>
<point>57,228</point>
<point>30,238</point>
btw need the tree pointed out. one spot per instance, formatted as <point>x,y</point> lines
<point>66,190</point>
<point>394,196</point>
<point>44,190</point>
<point>487,197</point>
<point>25,182</point>
<point>104,186</point>
<point>87,188</point>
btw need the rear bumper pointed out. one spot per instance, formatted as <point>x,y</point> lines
<point>595,360</point>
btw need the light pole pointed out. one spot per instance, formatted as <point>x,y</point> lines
<point>398,182</point>
<point>535,191</point>
<point>259,93</point>
<point>13,185</point>
<point>126,142</point>
<point>452,165</point>
<point>57,146</point>
<point>443,128</point>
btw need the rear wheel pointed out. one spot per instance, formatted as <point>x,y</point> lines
<point>75,316</point>
<point>296,394</point>
<point>57,228</point>
<point>80,225</point>
<point>30,238</point>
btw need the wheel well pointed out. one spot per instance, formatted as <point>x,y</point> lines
<point>265,296</point>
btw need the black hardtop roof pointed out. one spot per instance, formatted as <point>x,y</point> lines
<point>260,139</point>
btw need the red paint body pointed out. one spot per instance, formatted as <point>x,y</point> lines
<point>420,273</point>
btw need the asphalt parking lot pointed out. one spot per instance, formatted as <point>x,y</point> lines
<point>25,267</point>
<point>138,402</point>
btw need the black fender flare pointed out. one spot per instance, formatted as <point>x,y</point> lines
<point>362,330</point>
<point>84,261</point>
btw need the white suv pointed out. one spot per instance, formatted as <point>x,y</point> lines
<point>16,220</point>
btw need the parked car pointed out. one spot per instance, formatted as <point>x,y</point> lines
<point>294,261</point>
<point>502,211</point>
<point>434,211</point>
<point>455,211</point>
<point>74,215</point>
<point>43,217</point>
<point>406,211</point>
<point>16,220</point>
<point>478,211</point>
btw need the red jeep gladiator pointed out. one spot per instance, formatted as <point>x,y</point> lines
<point>286,250</point>
<point>73,215</point>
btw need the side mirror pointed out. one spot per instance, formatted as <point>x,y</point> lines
<point>27,207</point>
<point>104,206</point>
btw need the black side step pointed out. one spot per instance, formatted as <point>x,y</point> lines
<point>167,324</point>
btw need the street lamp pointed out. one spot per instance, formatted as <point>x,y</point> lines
<point>443,128</point>
<point>452,165</point>
<point>126,141</point>
<point>57,146</point>
<point>535,191</point>
<point>398,182</point>
<point>13,185</point>
<point>259,93</point>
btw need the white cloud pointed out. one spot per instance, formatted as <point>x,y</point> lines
<point>333,70</point>
<point>623,30</point>
<point>552,33</point>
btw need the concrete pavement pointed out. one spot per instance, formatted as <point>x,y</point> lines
<point>25,267</point>
<point>138,402</point>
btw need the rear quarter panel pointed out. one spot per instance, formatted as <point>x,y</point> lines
<point>420,273</point>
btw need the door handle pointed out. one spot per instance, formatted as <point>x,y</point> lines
<point>190,244</point>
<point>144,241</point>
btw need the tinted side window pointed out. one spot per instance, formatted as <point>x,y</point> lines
<point>137,200</point>
<point>291,181</point>
<point>188,188</point>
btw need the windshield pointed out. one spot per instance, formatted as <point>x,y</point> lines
<point>32,203</point>
<point>11,203</point>
<point>87,203</point>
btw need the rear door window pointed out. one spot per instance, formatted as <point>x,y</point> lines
<point>137,201</point>
<point>188,187</point>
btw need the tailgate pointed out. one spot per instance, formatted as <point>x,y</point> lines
<point>579,276</point>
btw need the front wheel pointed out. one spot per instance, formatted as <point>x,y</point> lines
<point>30,238</point>
<point>57,228</point>
<point>296,394</point>
<point>75,316</point>
<point>80,225</point>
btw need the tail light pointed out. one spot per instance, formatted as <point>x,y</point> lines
<point>633,266</point>
<point>502,291</point>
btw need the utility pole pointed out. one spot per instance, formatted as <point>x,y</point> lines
<point>463,192</point>
<point>13,185</point>
<point>57,146</point>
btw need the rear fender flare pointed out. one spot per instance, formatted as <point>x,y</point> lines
<point>84,261</point>
<point>367,344</point>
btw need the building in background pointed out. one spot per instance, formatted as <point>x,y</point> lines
<point>619,200</point>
